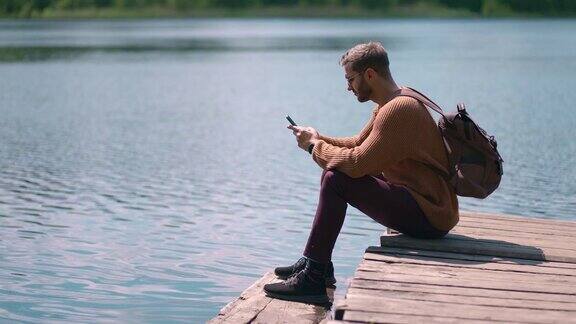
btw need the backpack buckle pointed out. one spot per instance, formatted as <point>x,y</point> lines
<point>461,108</point>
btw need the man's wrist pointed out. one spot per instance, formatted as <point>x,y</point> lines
<point>311,145</point>
<point>310,148</point>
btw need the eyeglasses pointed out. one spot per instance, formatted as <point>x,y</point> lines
<point>351,78</point>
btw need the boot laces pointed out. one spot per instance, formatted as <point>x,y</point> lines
<point>295,278</point>
<point>299,263</point>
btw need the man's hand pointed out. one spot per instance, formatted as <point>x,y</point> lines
<point>305,136</point>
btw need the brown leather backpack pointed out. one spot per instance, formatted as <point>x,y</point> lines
<point>475,164</point>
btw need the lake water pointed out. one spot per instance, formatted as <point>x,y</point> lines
<point>146,174</point>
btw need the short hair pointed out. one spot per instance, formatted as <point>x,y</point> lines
<point>367,55</point>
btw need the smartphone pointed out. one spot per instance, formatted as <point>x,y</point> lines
<point>290,120</point>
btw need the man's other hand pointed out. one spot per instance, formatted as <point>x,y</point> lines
<point>304,136</point>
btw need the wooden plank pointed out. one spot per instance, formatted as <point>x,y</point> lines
<point>353,316</point>
<point>281,311</point>
<point>464,257</point>
<point>516,218</point>
<point>469,300</point>
<point>454,272</point>
<point>248,305</point>
<point>479,274</point>
<point>439,309</point>
<point>562,246</point>
<point>463,282</point>
<point>516,237</point>
<point>505,281</point>
<point>510,233</point>
<point>515,230</point>
<point>558,246</point>
<point>458,291</point>
<point>496,266</point>
<point>254,307</point>
<point>484,247</point>
<point>535,229</point>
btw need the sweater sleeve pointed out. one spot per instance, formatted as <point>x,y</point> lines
<point>352,141</point>
<point>390,140</point>
<point>339,141</point>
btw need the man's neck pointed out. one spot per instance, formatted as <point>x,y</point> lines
<point>384,93</point>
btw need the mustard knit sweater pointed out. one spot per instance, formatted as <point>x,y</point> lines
<point>401,140</point>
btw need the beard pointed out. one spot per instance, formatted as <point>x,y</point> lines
<point>363,93</point>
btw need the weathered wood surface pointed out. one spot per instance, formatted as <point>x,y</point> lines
<point>500,237</point>
<point>491,268</point>
<point>254,307</point>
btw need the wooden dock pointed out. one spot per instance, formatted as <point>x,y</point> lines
<point>254,307</point>
<point>490,268</point>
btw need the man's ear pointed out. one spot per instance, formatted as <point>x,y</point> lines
<point>370,73</point>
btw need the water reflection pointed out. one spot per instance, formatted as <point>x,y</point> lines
<point>178,46</point>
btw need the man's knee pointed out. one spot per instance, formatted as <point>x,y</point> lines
<point>331,177</point>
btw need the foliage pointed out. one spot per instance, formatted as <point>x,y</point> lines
<point>29,8</point>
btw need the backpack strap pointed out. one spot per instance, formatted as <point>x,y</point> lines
<point>449,176</point>
<point>409,92</point>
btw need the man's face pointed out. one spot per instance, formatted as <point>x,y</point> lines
<point>357,83</point>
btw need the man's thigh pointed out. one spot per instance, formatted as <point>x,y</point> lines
<point>389,204</point>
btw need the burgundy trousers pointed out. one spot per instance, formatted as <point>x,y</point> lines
<point>390,205</point>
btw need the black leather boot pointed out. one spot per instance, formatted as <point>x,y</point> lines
<point>286,272</point>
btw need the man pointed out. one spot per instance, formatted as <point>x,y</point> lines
<point>389,171</point>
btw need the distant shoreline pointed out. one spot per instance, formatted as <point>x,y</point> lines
<point>275,12</point>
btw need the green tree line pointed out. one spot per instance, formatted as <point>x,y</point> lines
<point>29,8</point>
